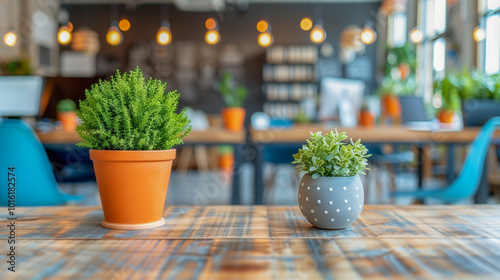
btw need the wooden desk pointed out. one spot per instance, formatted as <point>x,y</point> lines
<point>295,136</point>
<point>240,242</point>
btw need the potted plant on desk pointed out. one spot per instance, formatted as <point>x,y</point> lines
<point>448,88</point>
<point>331,194</point>
<point>131,125</point>
<point>233,115</point>
<point>66,114</point>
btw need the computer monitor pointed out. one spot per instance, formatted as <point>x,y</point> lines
<point>20,95</point>
<point>334,92</point>
<point>412,109</point>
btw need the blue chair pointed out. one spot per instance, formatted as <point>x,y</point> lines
<point>467,182</point>
<point>35,182</point>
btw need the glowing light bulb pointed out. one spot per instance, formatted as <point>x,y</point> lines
<point>164,36</point>
<point>262,26</point>
<point>265,39</point>
<point>479,34</point>
<point>124,24</point>
<point>318,34</point>
<point>114,36</point>
<point>64,35</point>
<point>212,37</point>
<point>306,24</point>
<point>210,24</point>
<point>10,38</point>
<point>368,35</point>
<point>416,36</point>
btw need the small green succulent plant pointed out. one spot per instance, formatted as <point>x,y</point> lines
<point>131,113</point>
<point>328,156</point>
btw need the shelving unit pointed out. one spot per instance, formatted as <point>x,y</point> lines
<point>290,76</point>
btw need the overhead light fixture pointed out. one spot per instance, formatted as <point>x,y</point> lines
<point>114,36</point>
<point>479,34</point>
<point>262,25</point>
<point>416,36</point>
<point>64,35</point>
<point>265,39</point>
<point>124,24</point>
<point>210,24</point>
<point>164,36</point>
<point>212,37</point>
<point>10,38</point>
<point>318,34</point>
<point>368,35</point>
<point>306,24</point>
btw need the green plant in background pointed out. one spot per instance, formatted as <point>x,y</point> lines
<point>399,72</point>
<point>233,95</point>
<point>449,89</point>
<point>20,66</point>
<point>328,156</point>
<point>66,105</point>
<point>130,113</point>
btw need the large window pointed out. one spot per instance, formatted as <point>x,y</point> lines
<point>491,22</point>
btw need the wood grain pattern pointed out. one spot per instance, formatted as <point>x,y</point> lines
<point>195,136</point>
<point>260,242</point>
<point>380,134</point>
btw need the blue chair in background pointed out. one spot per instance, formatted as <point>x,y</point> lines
<point>467,182</point>
<point>35,182</point>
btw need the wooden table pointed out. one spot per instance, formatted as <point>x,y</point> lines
<point>242,242</point>
<point>213,136</point>
<point>295,136</point>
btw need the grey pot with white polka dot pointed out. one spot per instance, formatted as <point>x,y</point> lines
<point>331,202</point>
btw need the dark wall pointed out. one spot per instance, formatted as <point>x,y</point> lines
<point>235,27</point>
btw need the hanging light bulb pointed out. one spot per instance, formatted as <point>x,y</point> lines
<point>265,39</point>
<point>210,24</point>
<point>262,25</point>
<point>64,35</point>
<point>368,35</point>
<point>318,34</point>
<point>306,24</point>
<point>416,36</point>
<point>10,38</point>
<point>212,37</point>
<point>114,36</point>
<point>479,34</point>
<point>164,36</point>
<point>124,24</point>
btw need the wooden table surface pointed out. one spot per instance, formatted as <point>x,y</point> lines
<point>259,242</point>
<point>380,134</point>
<point>211,136</point>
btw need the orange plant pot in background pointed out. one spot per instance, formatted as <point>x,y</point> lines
<point>226,161</point>
<point>68,120</point>
<point>391,106</point>
<point>133,186</point>
<point>233,118</point>
<point>445,116</point>
<point>366,119</point>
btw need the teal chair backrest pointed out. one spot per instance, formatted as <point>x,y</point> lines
<point>22,152</point>
<point>469,178</point>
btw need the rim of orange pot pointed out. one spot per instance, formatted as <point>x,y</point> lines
<point>120,155</point>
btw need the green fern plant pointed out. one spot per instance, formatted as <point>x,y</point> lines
<point>328,156</point>
<point>66,105</point>
<point>130,113</point>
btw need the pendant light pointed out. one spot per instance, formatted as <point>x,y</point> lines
<point>114,36</point>
<point>164,35</point>
<point>368,35</point>
<point>416,36</point>
<point>10,37</point>
<point>212,36</point>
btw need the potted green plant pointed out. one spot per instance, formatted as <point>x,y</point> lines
<point>233,115</point>
<point>131,125</point>
<point>66,114</point>
<point>480,94</point>
<point>331,193</point>
<point>449,88</point>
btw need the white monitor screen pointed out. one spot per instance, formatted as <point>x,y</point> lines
<point>336,90</point>
<point>20,95</point>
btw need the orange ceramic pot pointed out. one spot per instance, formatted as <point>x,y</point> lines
<point>226,161</point>
<point>445,116</point>
<point>233,118</point>
<point>133,186</point>
<point>391,106</point>
<point>68,120</point>
<point>366,119</point>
